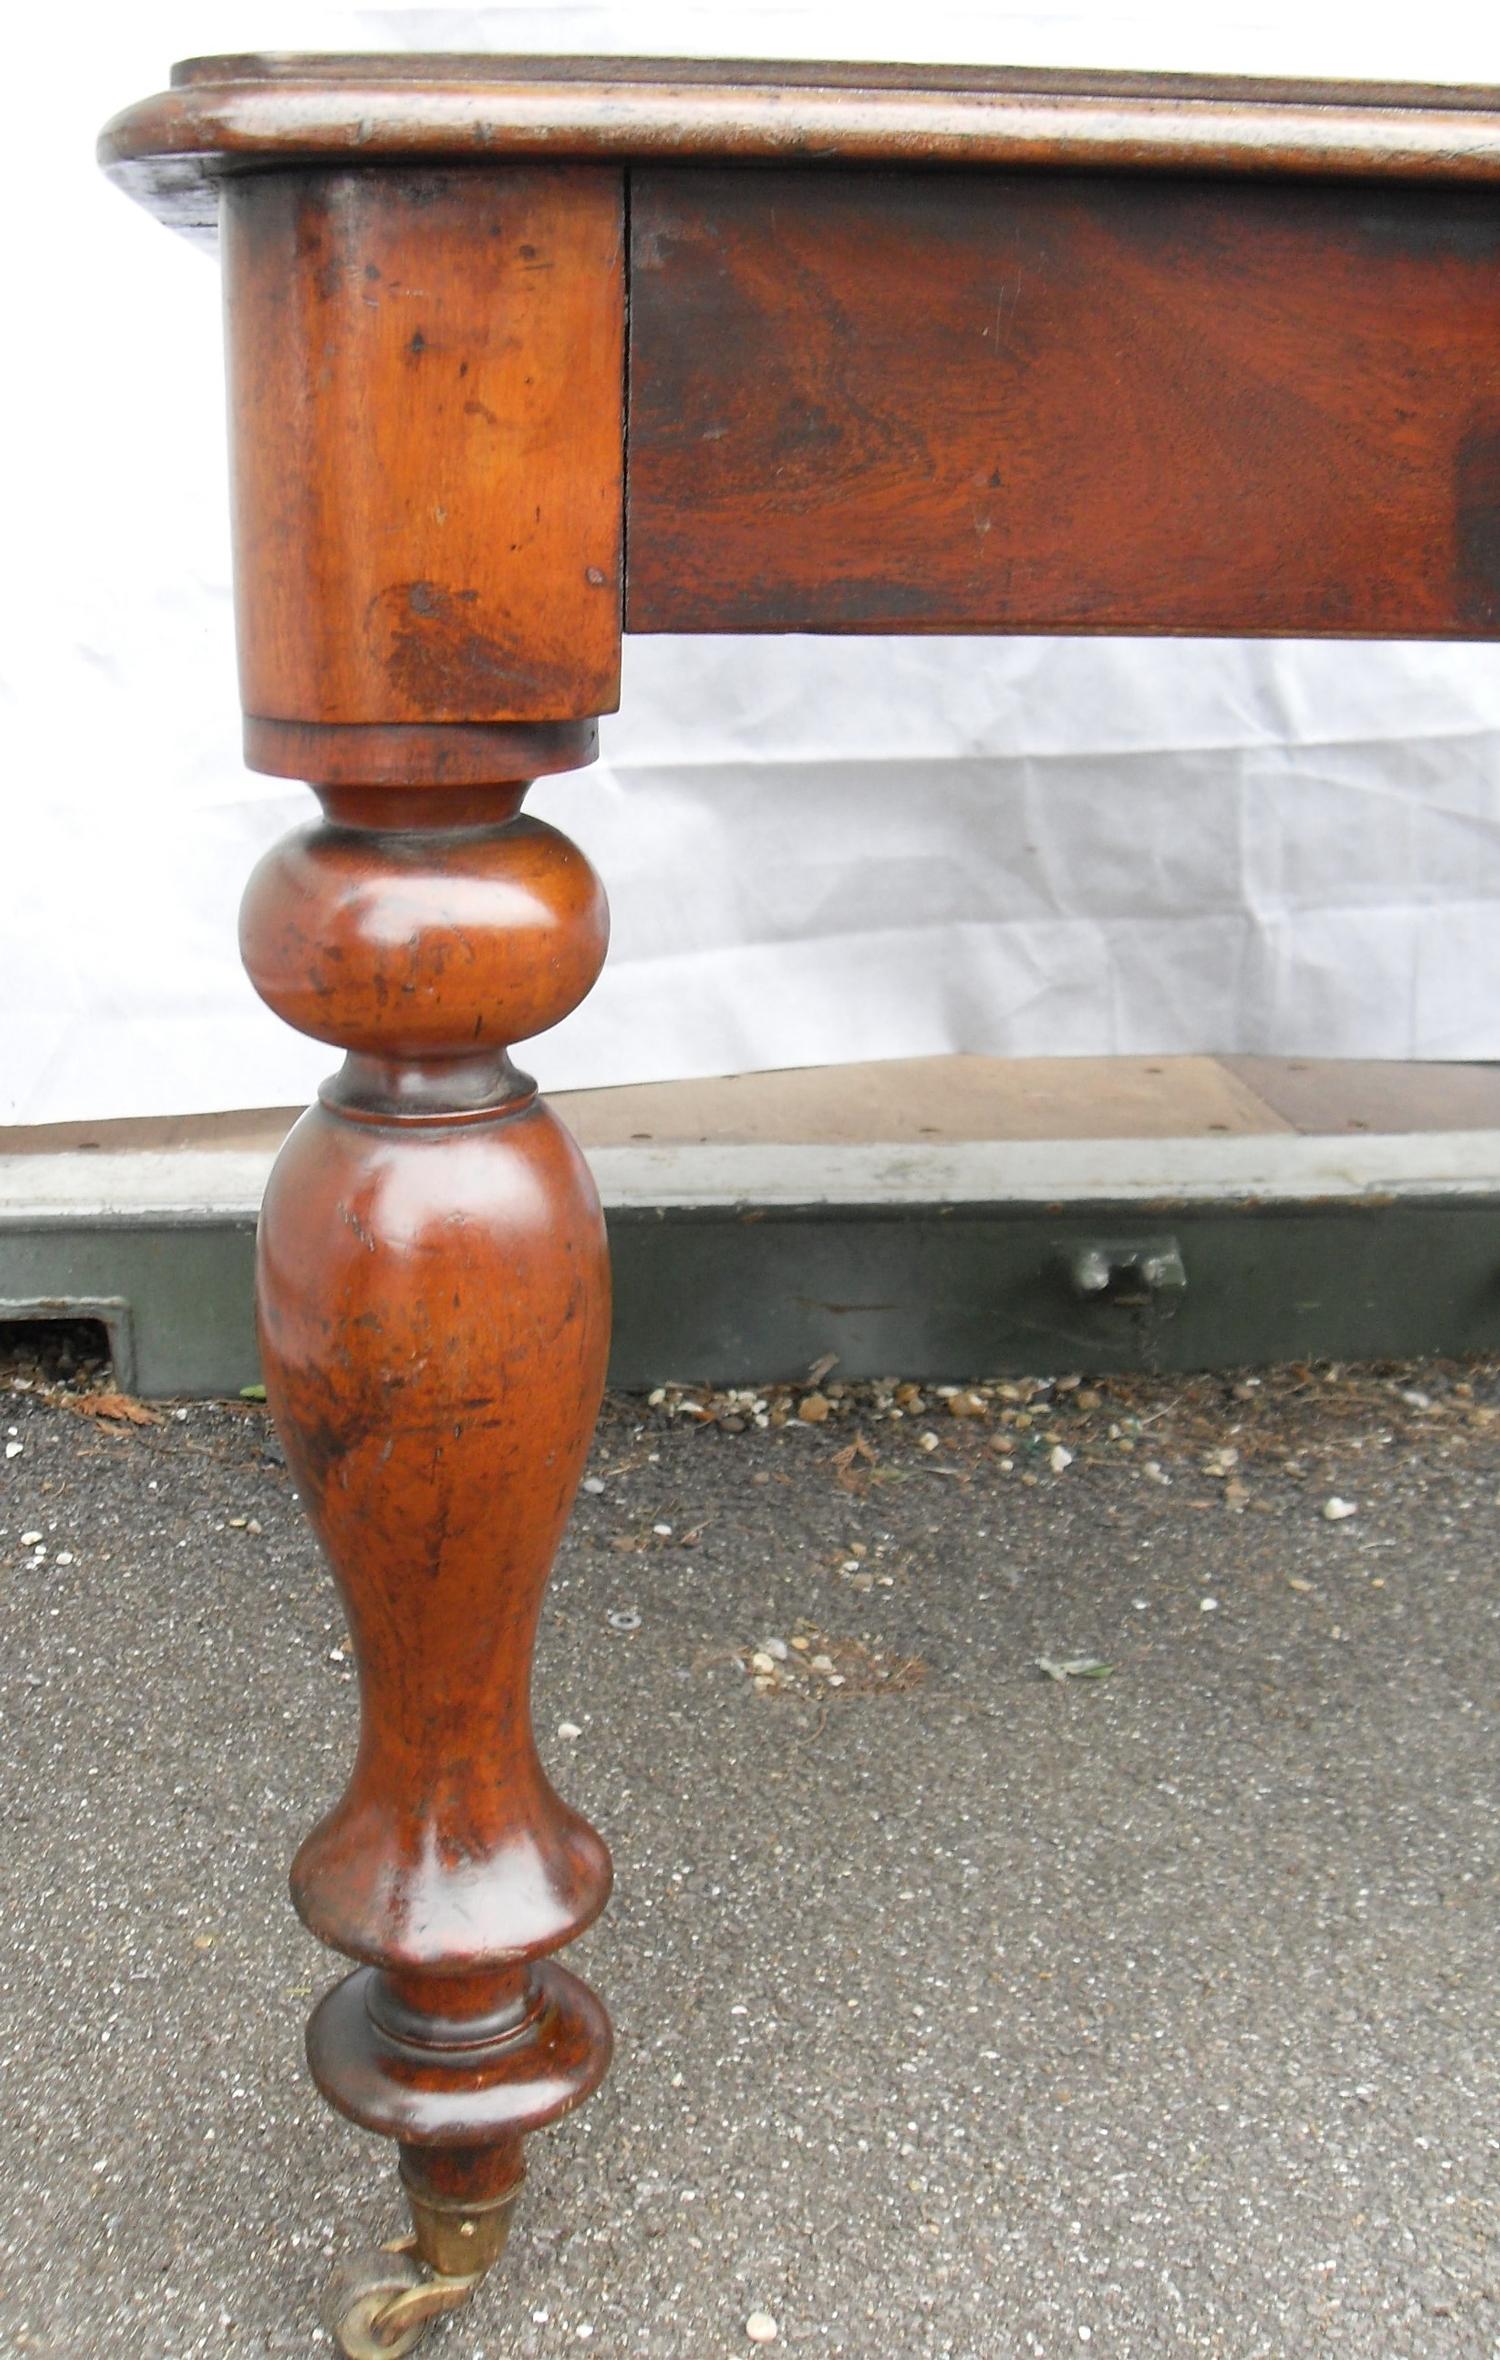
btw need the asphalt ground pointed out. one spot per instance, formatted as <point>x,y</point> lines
<point>964,2006</point>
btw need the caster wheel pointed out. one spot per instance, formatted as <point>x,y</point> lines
<point>358,2292</point>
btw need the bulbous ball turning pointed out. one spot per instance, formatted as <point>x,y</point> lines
<point>419,944</point>
<point>433,1303</point>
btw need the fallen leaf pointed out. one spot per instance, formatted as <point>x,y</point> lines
<point>112,1405</point>
<point>846,1475</point>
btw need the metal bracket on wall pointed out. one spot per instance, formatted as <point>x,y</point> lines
<point>1135,1273</point>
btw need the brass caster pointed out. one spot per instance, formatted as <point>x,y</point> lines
<point>377,2306</point>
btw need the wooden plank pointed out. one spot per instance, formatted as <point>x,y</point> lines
<point>914,402</point>
<point>1377,1094</point>
<point>919,1101</point>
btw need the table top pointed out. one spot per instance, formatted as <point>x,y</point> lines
<point>255,112</point>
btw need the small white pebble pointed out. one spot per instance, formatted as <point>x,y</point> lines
<point>761,2328</point>
<point>64,1557</point>
<point>928,1441</point>
<point>569,1730</point>
<point>1335,1510</point>
<point>13,1450</point>
<point>1208,1606</point>
<point>663,1530</point>
<point>593,1484</point>
<point>1059,1457</point>
<point>29,1539</point>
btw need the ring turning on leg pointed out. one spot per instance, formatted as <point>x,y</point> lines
<point>433,1297</point>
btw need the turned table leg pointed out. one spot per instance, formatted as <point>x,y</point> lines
<point>426,428</point>
<point>433,1295</point>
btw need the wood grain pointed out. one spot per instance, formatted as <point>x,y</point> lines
<point>425,425</point>
<point>1006,403</point>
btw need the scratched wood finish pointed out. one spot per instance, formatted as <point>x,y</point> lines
<point>433,1301</point>
<point>916,403</point>
<point>425,427</point>
<point>224,113</point>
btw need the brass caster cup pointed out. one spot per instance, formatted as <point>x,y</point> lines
<point>460,2240</point>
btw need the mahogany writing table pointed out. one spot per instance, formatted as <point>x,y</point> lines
<point>528,353</point>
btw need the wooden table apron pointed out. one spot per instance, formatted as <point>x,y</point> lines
<point>525,354</point>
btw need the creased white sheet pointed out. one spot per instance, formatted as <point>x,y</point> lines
<point>815,850</point>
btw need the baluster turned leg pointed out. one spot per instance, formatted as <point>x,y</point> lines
<point>434,1311</point>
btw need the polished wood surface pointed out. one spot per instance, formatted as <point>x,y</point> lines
<point>228,113</point>
<point>1083,353</point>
<point>433,1296</point>
<point>426,387</point>
<point>426,373</point>
<point>951,402</point>
<point>439,754</point>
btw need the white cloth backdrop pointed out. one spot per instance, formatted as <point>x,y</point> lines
<point>816,850</point>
